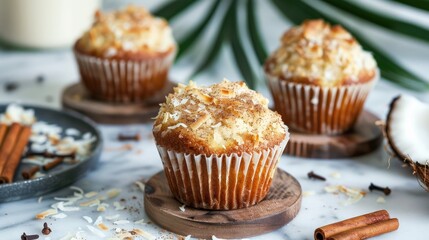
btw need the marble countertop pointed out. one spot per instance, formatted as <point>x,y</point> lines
<point>121,168</point>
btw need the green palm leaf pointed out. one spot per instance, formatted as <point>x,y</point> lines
<point>381,20</point>
<point>215,46</point>
<point>255,38</point>
<point>421,4</point>
<point>173,8</point>
<point>192,36</point>
<point>238,50</point>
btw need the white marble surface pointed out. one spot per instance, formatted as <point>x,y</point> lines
<point>120,169</point>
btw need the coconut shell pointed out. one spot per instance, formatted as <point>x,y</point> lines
<point>421,171</point>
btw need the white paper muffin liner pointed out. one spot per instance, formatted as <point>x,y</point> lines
<point>221,182</point>
<point>319,110</point>
<point>123,80</point>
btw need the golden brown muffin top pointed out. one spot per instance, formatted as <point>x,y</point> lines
<point>127,31</point>
<point>226,117</point>
<point>318,53</point>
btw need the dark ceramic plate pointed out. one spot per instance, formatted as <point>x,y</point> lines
<point>64,174</point>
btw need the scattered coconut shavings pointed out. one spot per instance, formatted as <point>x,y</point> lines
<point>113,217</point>
<point>72,132</point>
<point>95,231</point>
<point>140,185</point>
<point>98,220</point>
<point>91,194</point>
<point>80,190</point>
<point>354,195</point>
<point>308,193</point>
<point>102,207</point>
<point>215,238</point>
<point>121,222</point>
<point>381,200</point>
<point>46,213</point>
<point>88,219</point>
<point>118,230</point>
<point>40,199</point>
<point>118,206</point>
<point>60,215</point>
<point>188,237</point>
<point>336,175</point>
<point>142,233</point>
<point>141,221</point>
<point>34,161</point>
<point>114,192</point>
<point>16,113</point>
<point>94,202</point>
<point>39,139</point>
<point>103,227</point>
<point>182,208</point>
<point>67,209</point>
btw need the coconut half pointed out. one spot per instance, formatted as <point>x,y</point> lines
<point>407,132</point>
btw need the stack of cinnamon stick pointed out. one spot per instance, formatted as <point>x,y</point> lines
<point>13,140</point>
<point>361,227</point>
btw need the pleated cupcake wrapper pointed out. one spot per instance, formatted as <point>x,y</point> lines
<point>319,110</point>
<point>123,80</point>
<point>221,182</point>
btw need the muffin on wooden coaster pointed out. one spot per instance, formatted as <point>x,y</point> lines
<point>126,55</point>
<point>219,145</point>
<point>320,77</point>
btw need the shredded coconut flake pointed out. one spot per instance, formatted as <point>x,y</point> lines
<point>112,217</point>
<point>88,219</point>
<point>46,213</point>
<point>182,208</point>
<point>96,231</point>
<point>60,215</point>
<point>140,185</point>
<point>121,222</point>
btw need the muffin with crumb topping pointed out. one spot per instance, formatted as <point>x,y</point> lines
<point>126,55</point>
<point>219,145</point>
<point>320,77</point>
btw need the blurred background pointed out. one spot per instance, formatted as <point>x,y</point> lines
<point>36,61</point>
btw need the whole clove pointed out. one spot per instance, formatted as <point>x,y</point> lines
<point>10,86</point>
<point>46,230</point>
<point>385,190</point>
<point>29,237</point>
<point>135,137</point>
<point>312,175</point>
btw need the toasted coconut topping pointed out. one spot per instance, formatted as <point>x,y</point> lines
<point>46,213</point>
<point>129,30</point>
<point>322,54</point>
<point>218,118</point>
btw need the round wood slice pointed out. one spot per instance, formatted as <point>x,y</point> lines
<point>365,137</point>
<point>280,206</point>
<point>77,98</point>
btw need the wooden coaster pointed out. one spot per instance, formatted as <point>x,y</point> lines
<point>77,98</point>
<point>280,206</point>
<point>365,137</point>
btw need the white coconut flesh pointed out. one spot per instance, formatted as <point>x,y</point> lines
<point>408,128</point>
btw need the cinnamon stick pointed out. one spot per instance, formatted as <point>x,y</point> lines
<point>29,173</point>
<point>52,164</point>
<point>9,143</point>
<point>3,130</point>
<point>15,156</point>
<point>368,231</point>
<point>327,231</point>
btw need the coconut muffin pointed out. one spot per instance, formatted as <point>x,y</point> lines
<point>220,145</point>
<point>320,77</point>
<point>126,54</point>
